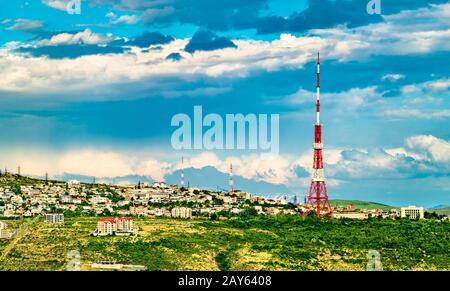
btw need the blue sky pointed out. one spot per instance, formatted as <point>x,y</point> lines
<point>94,93</point>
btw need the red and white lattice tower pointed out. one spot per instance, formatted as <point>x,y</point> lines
<point>318,197</point>
<point>231,178</point>
<point>182,172</point>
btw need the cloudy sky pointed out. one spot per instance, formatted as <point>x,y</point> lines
<point>94,93</point>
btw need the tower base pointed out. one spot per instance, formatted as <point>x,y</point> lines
<point>318,199</point>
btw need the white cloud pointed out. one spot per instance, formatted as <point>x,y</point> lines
<point>111,15</point>
<point>438,85</point>
<point>25,24</point>
<point>126,19</point>
<point>392,77</point>
<point>428,32</point>
<point>423,155</point>
<point>436,149</point>
<point>409,113</point>
<point>341,103</point>
<point>82,37</point>
<point>57,4</point>
<point>94,162</point>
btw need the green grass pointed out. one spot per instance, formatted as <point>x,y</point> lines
<point>257,243</point>
<point>361,204</point>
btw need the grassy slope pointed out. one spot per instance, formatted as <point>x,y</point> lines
<point>445,211</point>
<point>262,243</point>
<point>361,204</point>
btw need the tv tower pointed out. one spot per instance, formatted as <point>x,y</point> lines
<point>231,178</point>
<point>318,196</point>
<point>182,172</point>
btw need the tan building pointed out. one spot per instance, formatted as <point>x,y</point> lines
<point>4,231</point>
<point>3,225</point>
<point>139,210</point>
<point>351,214</point>
<point>182,212</point>
<point>412,212</point>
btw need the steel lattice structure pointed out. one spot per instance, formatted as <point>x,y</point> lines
<point>318,196</point>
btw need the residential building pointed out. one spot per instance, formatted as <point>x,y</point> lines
<point>73,184</point>
<point>412,212</point>
<point>181,212</point>
<point>351,214</point>
<point>139,210</point>
<point>4,231</point>
<point>109,226</point>
<point>54,218</point>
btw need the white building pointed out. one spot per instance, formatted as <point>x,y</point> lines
<point>54,218</point>
<point>412,212</point>
<point>73,184</point>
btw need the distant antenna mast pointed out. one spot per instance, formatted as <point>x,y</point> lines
<point>231,178</point>
<point>182,172</point>
<point>93,180</point>
<point>46,176</point>
<point>18,170</point>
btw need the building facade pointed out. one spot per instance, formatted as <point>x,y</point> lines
<point>54,218</point>
<point>110,226</point>
<point>181,212</point>
<point>412,212</point>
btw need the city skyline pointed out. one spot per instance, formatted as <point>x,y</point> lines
<point>93,94</point>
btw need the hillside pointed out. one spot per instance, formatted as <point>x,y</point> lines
<point>361,204</point>
<point>444,210</point>
<point>14,179</point>
<point>255,243</point>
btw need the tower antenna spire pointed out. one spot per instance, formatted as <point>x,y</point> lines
<point>182,172</point>
<point>231,178</point>
<point>318,196</point>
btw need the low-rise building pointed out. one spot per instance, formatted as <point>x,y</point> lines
<point>181,212</point>
<point>54,218</point>
<point>4,231</point>
<point>351,214</point>
<point>139,210</point>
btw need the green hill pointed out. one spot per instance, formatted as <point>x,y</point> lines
<point>361,204</point>
<point>445,210</point>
